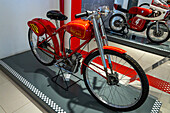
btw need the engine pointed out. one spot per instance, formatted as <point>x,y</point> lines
<point>72,63</point>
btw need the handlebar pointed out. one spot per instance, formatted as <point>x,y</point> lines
<point>86,13</point>
<point>81,14</point>
<point>101,10</point>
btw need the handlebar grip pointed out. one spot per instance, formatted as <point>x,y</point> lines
<point>81,14</point>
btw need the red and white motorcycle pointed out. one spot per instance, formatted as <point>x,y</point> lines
<point>152,16</point>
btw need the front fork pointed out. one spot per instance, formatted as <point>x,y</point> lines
<point>101,43</point>
<point>105,42</point>
<point>157,26</point>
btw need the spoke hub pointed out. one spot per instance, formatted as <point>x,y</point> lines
<point>117,23</point>
<point>44,44</point>
<point>113,79</point>
<point>159,33</point>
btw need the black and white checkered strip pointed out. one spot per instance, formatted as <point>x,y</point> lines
<point>156,107</point>
<point>42,96</point>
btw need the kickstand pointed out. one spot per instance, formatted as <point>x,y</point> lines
<point>60,79</point>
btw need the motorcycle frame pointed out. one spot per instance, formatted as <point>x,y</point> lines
<point>100,37</point>
<point>126,19</point>
<point>60,31</point>
<point>145,26</point>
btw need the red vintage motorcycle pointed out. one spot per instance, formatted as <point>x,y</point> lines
<point>111,76</point>
<point>152,17</point>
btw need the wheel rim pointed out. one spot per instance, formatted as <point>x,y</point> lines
<point>161,35</point>
<point>42,55</point>
<point>117,23</point>
<point>126,95</point>
<point>145,6</point>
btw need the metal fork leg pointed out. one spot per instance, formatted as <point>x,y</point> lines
<point>99,43</point>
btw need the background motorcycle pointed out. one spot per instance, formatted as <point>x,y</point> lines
<point>157,12</point>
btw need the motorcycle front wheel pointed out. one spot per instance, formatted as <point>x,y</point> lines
<point>125,94</point>
<point>160,36</point>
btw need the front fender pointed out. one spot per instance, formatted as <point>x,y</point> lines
<point>114,49</point>
<point>121,51</point>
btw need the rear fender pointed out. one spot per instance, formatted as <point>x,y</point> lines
<point>36,27</point>
<point>121,51</point>
<point>41,26</point>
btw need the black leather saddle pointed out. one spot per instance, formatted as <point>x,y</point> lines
<point>56,15</point>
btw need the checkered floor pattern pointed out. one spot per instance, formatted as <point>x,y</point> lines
<point>39,94</point>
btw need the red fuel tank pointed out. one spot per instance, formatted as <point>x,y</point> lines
<point>82,29</point>
<point>140,11</point>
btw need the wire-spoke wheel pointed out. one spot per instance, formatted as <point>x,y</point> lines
<point>158,36</point>
<point>41,47</point>
<point>117,23</point>
<point>126,93</point>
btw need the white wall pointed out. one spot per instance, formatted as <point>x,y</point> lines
<point>14,15</point>
<point>125,2</point>
<point>67,12</point>
<point>120,2</point>
<point>144,1</point>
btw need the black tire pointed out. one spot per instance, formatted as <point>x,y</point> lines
<point>42,56</point>
<point>144,4</point>
<point>129,90</point>
<point>118,23</point>
<point>162,36</point>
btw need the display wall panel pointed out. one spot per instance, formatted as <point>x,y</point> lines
<point>13,22</point>
<point>144,1</point>
<point>86,4</point>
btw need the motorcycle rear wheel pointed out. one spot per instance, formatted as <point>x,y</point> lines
<point>117,23</point>
<point>41,55</point>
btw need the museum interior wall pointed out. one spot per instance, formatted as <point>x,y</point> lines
<point>13,22</point>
